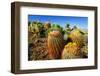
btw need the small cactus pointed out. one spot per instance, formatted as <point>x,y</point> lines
<point>84,51</point>
<point>47,25</point>
<point>30,27</point>
<point>71,51</point>
<point>55,44</point>
<point>65,36</point>
<point>77,37</point>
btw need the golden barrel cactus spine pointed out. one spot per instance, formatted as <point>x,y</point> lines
<point>77,37</point>
<point>71,51</point>
<point>55,44</point>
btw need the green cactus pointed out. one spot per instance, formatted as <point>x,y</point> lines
<point>54,27</point>
<point>77,37</point>
<point>71,51</point>
<point>55,44</point>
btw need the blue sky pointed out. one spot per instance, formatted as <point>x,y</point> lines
<point>81,22</point>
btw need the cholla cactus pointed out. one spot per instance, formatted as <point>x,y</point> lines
<point>30,27</point>
<point>84,51</point>
<point>55,44</point>
<point>77,37</point>
<point>47,25</point>
<point>71,50</point>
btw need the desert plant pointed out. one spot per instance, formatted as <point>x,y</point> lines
<point>84,51</point>
<point>57,27</point>
<point>55,44</point>
<point>47,25</point>
<point>71,50</point>
<point>67,29</point>
<point>77,37</point>
<point>75,27</point>
<point>54,27</point>
<point>30,27</point>
<point>65,36</point>
<point>85,38</point>
<point>38,53</point>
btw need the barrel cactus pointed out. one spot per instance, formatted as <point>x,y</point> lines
<point>77,37</point>
<point>55,44</point>
<point>71,51</point>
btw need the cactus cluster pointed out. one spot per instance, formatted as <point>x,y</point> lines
<point>77,47</point>
<point>71,50</point>
<point>77,37</point>
<point>55,44</point>
<point>51,41</point>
